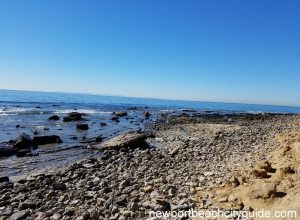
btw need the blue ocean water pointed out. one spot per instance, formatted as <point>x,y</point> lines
<point>87,101</point>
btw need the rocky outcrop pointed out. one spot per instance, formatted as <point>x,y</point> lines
<point>127,139</point>
<point>47,139</point>
<point>74,116</point>
<point>23,145</point>
<point>53,118</point>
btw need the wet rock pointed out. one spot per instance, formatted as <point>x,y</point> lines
<point>4,179</point>
<point>120,114</point>
<point>49,139</point>
<point>23,145</point>
<point>6,149</point>
<point>102,124</point>
<point>82,126</point>
<point>146,115</point>
<point>127,139</point>
<point>53,118</point>
<point>115,118</point>
<point>74,116</point>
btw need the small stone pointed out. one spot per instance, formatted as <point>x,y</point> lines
<point>59,186</point>
<point>208,174</point>
<point>223,199</point>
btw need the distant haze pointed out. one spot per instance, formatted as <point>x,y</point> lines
<point>226,51</point>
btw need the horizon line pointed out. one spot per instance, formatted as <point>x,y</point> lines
<point>163,99</point>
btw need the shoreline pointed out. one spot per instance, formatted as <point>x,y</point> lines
<point>185,156</point>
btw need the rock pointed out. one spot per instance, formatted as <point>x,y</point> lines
<point>82,126</point>
<point>124,184</point>
<point>208,173</point>
<point>56,216</point>
<point>23,153</point>
<point>4,179</point>
<point>120,114</point>
<point>223,199</point>
<point>102,124</point>
<point>28,204</point>
<point>262,189</point>
<point>53,118</point>
<point>23,142</point>
<point>127,139</point>
<point>234,181</point>
<point>148,189</point>
<point>146,115</point>
<point>74,116</point>
<point>260,173</point>
<point>59,186</point>
<point>6,149</point>
<point>115,118</point>
<point>20,215</point>
<point>264,165</point>
<point>49,139</point>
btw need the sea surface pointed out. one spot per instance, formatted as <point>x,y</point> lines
<point>28,112</point>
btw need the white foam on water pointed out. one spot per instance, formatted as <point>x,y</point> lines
<point>85,111</point>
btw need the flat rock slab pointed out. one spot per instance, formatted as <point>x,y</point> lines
<point>127,139</point>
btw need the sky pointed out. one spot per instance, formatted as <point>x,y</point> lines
<point>245,51</point>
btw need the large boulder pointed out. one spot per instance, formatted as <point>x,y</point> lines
<point>6,149</point>
<point>74,116</point>
<point>47,139</point>
<point>124,140</point>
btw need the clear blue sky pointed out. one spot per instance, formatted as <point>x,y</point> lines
<point>215,50</point>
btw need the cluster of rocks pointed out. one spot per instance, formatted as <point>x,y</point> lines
<point>24,145</point>
<point>138,174</point>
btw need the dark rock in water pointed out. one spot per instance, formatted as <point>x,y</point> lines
<point>127,139</point>
<point>74,116</point>
<point>115,118</point>
<point>120,114</point>
<point>50,139</point>
<point>17,126</point>
<point>35,132</point>
<point>82,126</point>
<point>4,179</point>
<point>38,107</point>
<point>6,149</point>
<point>23,145</point>
<point>55,105</point>
<point>102,124</point>
<point>59,186</point>
<point>54,118</point>
<point>146,114</point>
